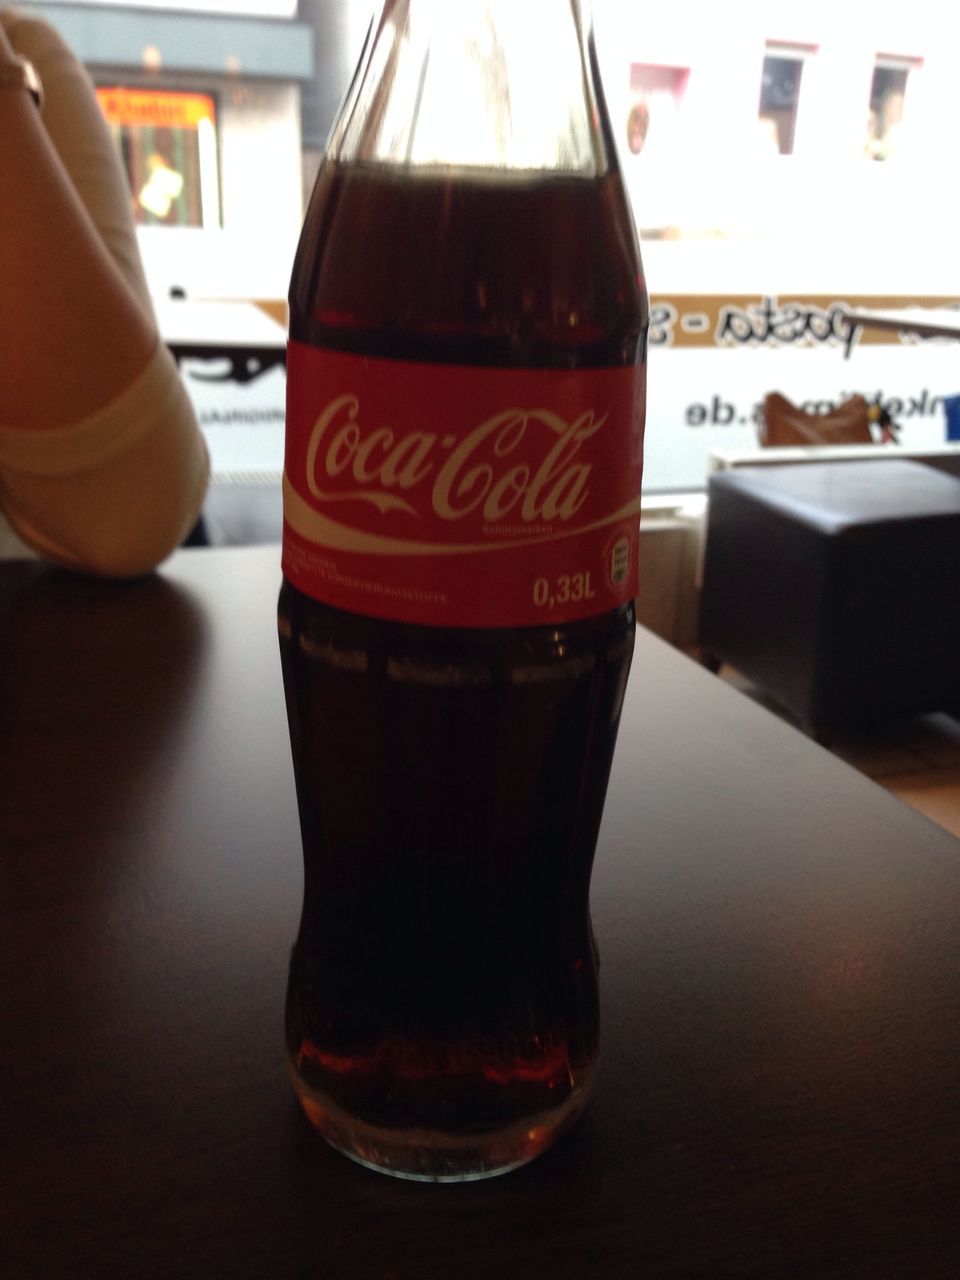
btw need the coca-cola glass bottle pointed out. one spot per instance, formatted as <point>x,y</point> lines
<point>466,364</point>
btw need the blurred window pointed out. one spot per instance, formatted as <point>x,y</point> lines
<point>168,141</point>
<point>888,91</point>
<point>780,94</point>
<point>657,93</point>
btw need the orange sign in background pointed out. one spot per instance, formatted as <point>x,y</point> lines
<point>155,108</point>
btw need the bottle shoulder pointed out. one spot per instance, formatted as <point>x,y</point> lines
<point>458,266</point>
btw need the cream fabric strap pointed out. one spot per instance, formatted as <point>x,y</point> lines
<point>115,492</point>
<point>148,403</point>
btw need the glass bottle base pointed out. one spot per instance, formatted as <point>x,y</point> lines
<point>423,1155</point>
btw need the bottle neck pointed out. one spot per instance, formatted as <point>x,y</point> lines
<point>492,84</point>
<point>543,9</point>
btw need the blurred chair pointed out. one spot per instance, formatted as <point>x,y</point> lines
<point>832,587</point>
<point>242,509</point>
<point>853,422</point>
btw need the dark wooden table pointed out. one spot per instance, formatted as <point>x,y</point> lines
<point>779,1093</point>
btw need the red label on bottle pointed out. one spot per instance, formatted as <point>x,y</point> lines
<point>459,496</point>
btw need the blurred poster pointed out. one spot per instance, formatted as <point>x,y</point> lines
<point>168,143</point>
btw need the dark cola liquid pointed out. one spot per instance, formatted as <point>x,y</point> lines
<point>442,1016</point>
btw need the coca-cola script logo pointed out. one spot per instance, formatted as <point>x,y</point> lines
<point>525,463</point>
<point>389,460</point>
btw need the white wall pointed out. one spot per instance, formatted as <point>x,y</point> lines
<point>716,178</point>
